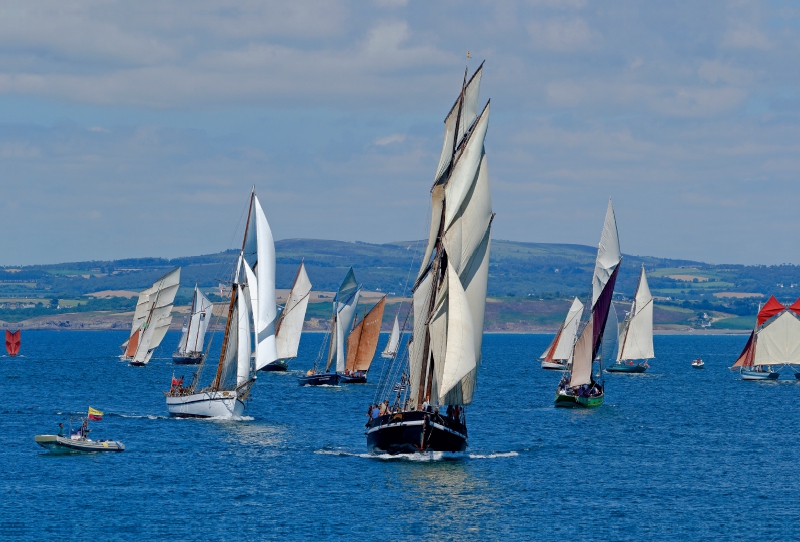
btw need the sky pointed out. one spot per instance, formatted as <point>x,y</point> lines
<point>131,129</point>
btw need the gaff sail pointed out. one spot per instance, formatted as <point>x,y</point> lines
<point>290,324</point>
<point>363,340</point>
<point>636,339</point>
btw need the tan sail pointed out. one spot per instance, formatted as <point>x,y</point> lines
<point>133,343</point>
<point>363,340</point>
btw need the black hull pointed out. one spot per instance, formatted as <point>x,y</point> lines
<point>319,379</point>
<point>275,366</point>
<point>413,432</point>
<point>186,360</point>
<point>350,379</point>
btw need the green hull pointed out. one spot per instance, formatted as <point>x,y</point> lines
<point>622,368</point>
<point>571,401</point>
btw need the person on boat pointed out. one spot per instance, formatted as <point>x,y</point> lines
<point>376,412</point>
<point>425,405</point>
<point>85,429</point>
<point>61,430</point>
<point>310,372</point>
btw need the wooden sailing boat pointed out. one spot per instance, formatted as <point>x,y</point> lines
<point>251,306</point>
<point>151,319</point>
<point>361,345</point>
<point>344,312</point>
<point>190,347</point>
<point>581,386</point>
<point>13,341</point>
<point>290,323</point>
<point>559,353</point>
<point>394,341</point>
<point>636,337</point>
<point>426,395</point>
<point>775,341</point>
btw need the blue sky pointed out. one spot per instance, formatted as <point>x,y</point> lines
<point>137,129</point>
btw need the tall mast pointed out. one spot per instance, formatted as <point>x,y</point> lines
<point>234,292</point>
<point>189,327</point>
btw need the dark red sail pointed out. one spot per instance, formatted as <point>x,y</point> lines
<point>12,342</point>
<point>770,309</point>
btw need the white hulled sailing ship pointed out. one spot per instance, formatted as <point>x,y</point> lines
<point>582,386</point>
<point>151,319</point>
<point>290,323</point>
<point>190,347</point>
<point>361,345</point>
<point>636,335</point>
<point>427,390</point>
<point>251,306</point>
<point>559,353</point>
<point>344,312</point>
<point>394,341</point>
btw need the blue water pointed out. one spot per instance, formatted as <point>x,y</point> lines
<point>674,454</point>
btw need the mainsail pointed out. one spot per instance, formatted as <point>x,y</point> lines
<point>778,342</point>
<point>636,339</point>
<point>561,346</point>
<point>193,335</point>
<point>394,341</point>
<point>344,312</point>
<point>290,324</point>
<point>363,340</point>
<point>152,318</point>
<point>450,291</point>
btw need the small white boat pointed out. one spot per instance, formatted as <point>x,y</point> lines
<point>77,445</point>
<point>698,363</point>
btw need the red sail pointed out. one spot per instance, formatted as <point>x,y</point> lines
<point>770,309</point>
<point>795,308</point>
<point>13,341</point>
<point>746,357</point>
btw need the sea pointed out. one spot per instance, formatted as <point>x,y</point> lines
<point>674,454</point>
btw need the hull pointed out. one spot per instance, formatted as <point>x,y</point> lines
<point>575,401</point>
<point>63,445</point>
<point>553,366</point>
<point>275,366</point>
<point>353,379</point>
<point>759,375</point>
<point>180,359</point>
<point>319,379</point>
<point>210,404</point>
<point>623,368</point>
<point>413,432</point>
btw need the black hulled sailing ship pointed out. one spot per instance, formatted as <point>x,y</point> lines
<point>426,388</point>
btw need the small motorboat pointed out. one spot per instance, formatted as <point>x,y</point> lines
<point>77,444</point>
<point>698,363</point>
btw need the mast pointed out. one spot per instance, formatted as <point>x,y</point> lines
<point>189,327</point>
<point>232,304</point>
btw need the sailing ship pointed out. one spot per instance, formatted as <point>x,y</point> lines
<point>344,312</point>
<point>290,323</point>
<point>361,345</point>
<point>151,319</point>
<point>394,341</point>
<point>559,353</point>
<point>636,337</point>
<point>774,342</point>
<point>190,347</point>
<point>13,341</point>
<point>249,340</point>
<point>427,390</point>
<point>581,386</point>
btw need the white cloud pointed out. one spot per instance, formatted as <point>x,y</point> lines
<point>563,35</point>
<point>388,140</point>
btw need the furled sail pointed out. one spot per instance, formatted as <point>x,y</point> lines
<point>363,340</point>
<point>608,254</point>
<point>636,341</point>
<point>778,342</point>
<point>563,343</point>
<point>394,341</point>
<point>290,324</point>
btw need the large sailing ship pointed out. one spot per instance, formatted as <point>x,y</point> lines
<point>773,343</point>
<point>290,323</point>
<point>559,353</point>
<point>151,319</point>
<point>426,391</point>
<point>249,340</point>
<point>582,386</point>
<point>190,347</point>
<point>344,312</point>
<point>636,336</point>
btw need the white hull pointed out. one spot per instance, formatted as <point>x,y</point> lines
<point>213,404</point>
<point>554,366</point>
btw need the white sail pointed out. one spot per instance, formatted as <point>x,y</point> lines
<point>608,254</point>
<point>345,314</point>
<point>242,337</point>
<point>462,178</point>
<point>421,303</point>
<point>198,322</point>
<point>569,331</point>
<point>394,341</point>
<point>610,343</point>
<point>156,322</point>
<point>459,357</point>
<point>581,368</point>
<point>266,350</point>
<point>252,289</point>
<point>778,342</point>
<point>636,341</point>
<point>293,315</point>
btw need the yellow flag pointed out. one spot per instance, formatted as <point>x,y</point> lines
<point>94,413</point>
